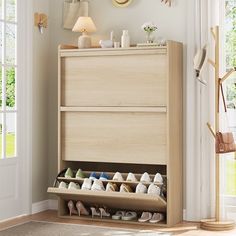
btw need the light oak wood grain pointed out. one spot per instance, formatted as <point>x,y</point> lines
<point>114,137</point>
<point>132,201</point>
<point>123,106</point>
<point>134,80</point>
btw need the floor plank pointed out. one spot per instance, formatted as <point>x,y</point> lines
<point>183,229</point>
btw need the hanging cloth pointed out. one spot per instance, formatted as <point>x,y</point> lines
<point>72,10</point>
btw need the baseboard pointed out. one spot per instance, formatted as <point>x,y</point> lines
<point>44,206</point>
<point>184,214</point>
<point>52,204</point>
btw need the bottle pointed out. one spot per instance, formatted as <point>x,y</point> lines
<point>125,39</point>
<point>112,38</point>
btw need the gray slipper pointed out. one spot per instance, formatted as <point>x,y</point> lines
<point>130,215</point>
<point>118,215</point>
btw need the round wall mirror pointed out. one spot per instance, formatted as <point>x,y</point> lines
<point>121,3</point>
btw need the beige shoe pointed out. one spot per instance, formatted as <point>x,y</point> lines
<point>111,187</point>
<point>157,217</point>
<point>125,188</point>
<point>145,217</point>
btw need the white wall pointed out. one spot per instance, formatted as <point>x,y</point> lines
<point>171,25</point>
<point>39,102</point>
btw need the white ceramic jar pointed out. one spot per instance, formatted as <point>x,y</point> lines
<point>125,39</point>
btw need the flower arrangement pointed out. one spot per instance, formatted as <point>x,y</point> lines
<point>149,28</point>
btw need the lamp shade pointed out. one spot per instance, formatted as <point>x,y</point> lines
<point>84,24</point>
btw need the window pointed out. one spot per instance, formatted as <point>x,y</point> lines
<point>8,76</point>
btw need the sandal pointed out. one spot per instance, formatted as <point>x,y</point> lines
<point>118,215</point>
<point>130,215</point>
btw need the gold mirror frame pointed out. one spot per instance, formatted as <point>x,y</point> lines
<point>121,3</point>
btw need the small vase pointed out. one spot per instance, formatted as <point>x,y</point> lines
<point>150,37</point>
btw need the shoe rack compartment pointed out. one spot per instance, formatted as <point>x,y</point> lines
<point>132,184</point>
<point>132,201</point>
<point>64,213</point>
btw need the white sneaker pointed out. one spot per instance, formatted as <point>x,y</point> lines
<point>62,185</point>
<point>131,177</point>
<point>141,188</point>
<point>154,190</point>
<point>118,177</point>
<point>145,178</point>
<point>86,184</point>
<point>157,217</point>
<point>97,185</point>
<point>158,179</point>
<point>73,186</point>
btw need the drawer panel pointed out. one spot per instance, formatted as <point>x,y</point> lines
<point>131,80</point>
<point>126,137</point>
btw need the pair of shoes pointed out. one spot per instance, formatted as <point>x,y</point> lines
<point>97,185</point>
<point>122,215</point>
<point>81,210</point>
<point>152,218</point>
<point>111,187</point>
<point>146,178</point>
<point>70,174</point>
<point>125,188</point>
<point>152,189</point>
<point>71,186</point>
<point>103,176</point>
<point>101,212</point>
<point>130,177</point>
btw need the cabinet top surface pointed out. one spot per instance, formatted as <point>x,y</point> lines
<point>73,49</point>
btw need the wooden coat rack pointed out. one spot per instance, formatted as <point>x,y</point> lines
<point>217,224</point>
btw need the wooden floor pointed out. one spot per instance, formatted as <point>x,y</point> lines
<point>183,229</point>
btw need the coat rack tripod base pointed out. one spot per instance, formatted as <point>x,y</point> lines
<point>217,224</point>
<point>213,225</point>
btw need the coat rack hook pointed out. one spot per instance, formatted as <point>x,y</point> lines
<point>40,21</point>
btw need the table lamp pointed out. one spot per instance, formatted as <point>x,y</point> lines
<point>84,25</point>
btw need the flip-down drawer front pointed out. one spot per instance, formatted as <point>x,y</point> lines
<point>116,137</point>
<point>118,80</point>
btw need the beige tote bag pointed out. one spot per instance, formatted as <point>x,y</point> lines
<point>72,10</point>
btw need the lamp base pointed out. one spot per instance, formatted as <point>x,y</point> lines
<point>84,41</point>
<point>213,225</point>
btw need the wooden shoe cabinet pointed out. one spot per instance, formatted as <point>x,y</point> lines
<point>121,110</point>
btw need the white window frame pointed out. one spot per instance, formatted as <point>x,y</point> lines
<point>25,65</point>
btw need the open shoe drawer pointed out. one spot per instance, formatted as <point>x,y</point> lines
<point>131,201</point>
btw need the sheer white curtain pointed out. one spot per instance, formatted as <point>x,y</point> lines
<point>202,15</point>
